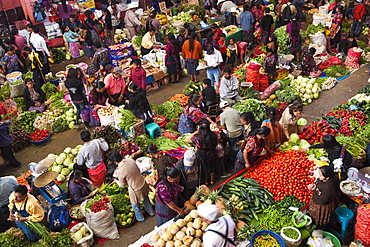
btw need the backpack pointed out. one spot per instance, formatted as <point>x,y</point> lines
<point>58,218</point>
<point>287,13</point>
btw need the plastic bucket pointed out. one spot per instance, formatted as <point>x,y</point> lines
<point>289,241</point>
<point>333,238</point>
<point>13,77</point>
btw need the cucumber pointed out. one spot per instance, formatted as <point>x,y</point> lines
<point>254,214</point>
<point>245,211</point>
<point>240,184</point>
<point>252,181</point>
<point>268,192</point>
<point>253,189</point>
<point>256,202</point>
<point>224,195</point>
<point>221,188</point>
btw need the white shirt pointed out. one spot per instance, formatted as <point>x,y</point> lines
<point>212,239</point>
<point>228,87</point>
<point>131,20</point>
<point>38,43</point>
<point>226,7</point>
<point>214,59</point>
<point>90,153</point>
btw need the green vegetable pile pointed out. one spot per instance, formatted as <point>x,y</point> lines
<point>60,125</point>
<point>290,201</point>
<point>20,103</point>
<point>282,37</point>
<point>291,233</point>
<point>59,54</point>
<point>193,87</point>
<point>49,89</point>
<point>169,109</point>
<point>336,71</point>
<point>165,143</point>
<point>252,105</point>
<point>5,92</point>
<point>274,218</point>
<point>120,203</point>
<point>127,120</point>
<point>26,120</point>
<point>17,82</point>
<point>288,94</point>
<point>29,74</point>
<point>143,141</point>
<point>312,29</point>
<point>355,145</point>
<point>171,125</point>
<point>248,93</point>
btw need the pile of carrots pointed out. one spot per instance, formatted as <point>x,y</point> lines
<point>181,98</point>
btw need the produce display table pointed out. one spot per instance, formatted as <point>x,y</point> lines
<point>237,36</point>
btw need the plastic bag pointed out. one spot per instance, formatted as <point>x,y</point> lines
<point>144,164</point>
<point>86,241</point>
<point>290,241</point>
<point>101,223</point>
<point>363,224</point>
<point>16,90</point>
<point>11,107</point>
<point>353,57</point>
<point>317,18</point>
<point>318,38</point>
<point>268,91</point>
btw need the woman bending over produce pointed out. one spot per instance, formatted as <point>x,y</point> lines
<point>166,196</point>
<point>274,138</point>
<point>138,103</point>
<point>79,188</point>
<point>191,115</point>
<point>289,119</point>
<point>33,97</point>
<point>253,147</point>
<point>325,196</point>
<point>249,123</point>
<point>129,148</point>
<point>160,160</point>
<point>338,162</point>
<point>99,96</point>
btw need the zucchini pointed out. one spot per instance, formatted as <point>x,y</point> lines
<point>253,189</point>
<point>224,195</point>
<point>221,188</point>
<point>254,214</point>
<point>252,181</point>
<point>268,192</point>
<point>240,184</point>
<point>256,201</point>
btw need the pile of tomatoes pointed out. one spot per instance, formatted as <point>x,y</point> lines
<point>100,205</point>
<point>39,135</point>
<point>285,173</point>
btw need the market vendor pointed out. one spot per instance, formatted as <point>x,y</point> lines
<point>209,96</point>
<point>7,185</point>
<point>148,42</point>
<point>308,63</point>
<point>213,60</point>
<point>191,115</point>
<point>79,188</point>
<point>138,74</point>
<point>6,145</point>
<point>253,148</point>
<point>139,104</point>
<point>217,30</point>
<point>128,174</point>
<point>228,87</point>
<point>166,196</point>
<point>116,86</point>
<point>33,97</point>
<point>25,207</point>
<point>325,197</point>
<point>221,230</point>
<point>338,162</point>
<point>99,96</point>
<point>90,157</point>
<point>225,7</point>
<point>160,160</point>
<point>132,23</point>
<point>192,52</point>
<point>129,149</point>
<point>289,119</point>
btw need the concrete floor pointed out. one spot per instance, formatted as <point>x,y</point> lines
<point>327,101</point>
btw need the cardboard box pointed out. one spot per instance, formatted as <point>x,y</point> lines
<point>158,76</point>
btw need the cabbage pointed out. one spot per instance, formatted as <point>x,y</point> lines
<point>308,91</point>
<point>50,156</point>
<point>67,150</point>
<point>56,169</point>
<point>78,147</point>
<point>59,160</point>
<point>78,236</point>
<point>303,84</point>
<point>296,148</point>
<point>302,121</point>
<point>71,166</point>
<point>65,171</point>
<point>74,151</point>
<point>309,86</point>
<point>315,95</point>
<point>67,162</point>
<point>63,156</point>
<point>309,101</point>
<point>71,125</point>
<point>314,90</point>
<point>303,90</point>
<point>294,137</point>
<point>61,178</point>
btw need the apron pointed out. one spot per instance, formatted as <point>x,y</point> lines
<point>97,175</point>
<point>30,234</point>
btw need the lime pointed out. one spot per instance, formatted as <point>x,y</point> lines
<point>130,215</point>
<point>129,220</point>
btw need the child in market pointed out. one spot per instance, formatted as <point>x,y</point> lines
<point>232,53</point>
<point>71,38</point>
<point>222,47</point>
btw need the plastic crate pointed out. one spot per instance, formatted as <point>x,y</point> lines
<point>120,53</point>
<point>281,74</point>
<point>49,198</point>
<point>150,78</point>
<point>135,130</point>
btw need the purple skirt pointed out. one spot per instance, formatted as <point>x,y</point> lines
<point>73,48</point>
<point>39,109</point>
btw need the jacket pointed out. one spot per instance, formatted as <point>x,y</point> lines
<point>5,137</point>
<point>76,90</point>
<point>27,97</point>
<point>359,11</point>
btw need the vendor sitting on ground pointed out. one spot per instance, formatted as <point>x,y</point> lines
<point>228,88</point>
<point>147,43</point>
<point>129,149</point>
<point>308,63</point>
<point>209,96</point>
<point>33,97</point>
<point>79,188</point>
<point>22,207</point>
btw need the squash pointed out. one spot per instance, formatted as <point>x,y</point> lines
<point>170,244</point>
<point>198,233</point>
<point>190,231</point>
<point>195,244</point>
<point>181,223</point>
<point>167,236</point>
<point>154,238</point>
<point>173,229</point>
<point>160,243</point>
<point>194,214</point>
<point>178,243</point>
<point>204,226</point>
<point>189,224</point>
<point>188,240</point>
<point>198,203</point>
<point>197,223</point>
<point>180,235</point>
<point>206,189</point>
<point>183,229</point>
<point>189,206</point>
<point>188,218</point>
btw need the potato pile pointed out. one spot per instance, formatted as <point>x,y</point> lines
<point>185,232</point>
<point>107,111</point>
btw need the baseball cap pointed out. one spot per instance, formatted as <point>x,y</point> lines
<point>118,70</point>
<point>223,104</point>
<point>189,157</point>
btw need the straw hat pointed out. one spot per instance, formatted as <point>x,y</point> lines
<point>45,178</point>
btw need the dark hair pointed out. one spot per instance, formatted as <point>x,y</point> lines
<point>97,45</point>
<point>85,136</point>
<point>340,8</point>
<point>7,41</point>
<point>169,171</point>
<point>267,10</point>
<point>10,48</point>
<point>206,137</point>
<point>109,67</point>
<point>133,86</point>
<point>136,61</point>
<point>88,13</point>
<point>296,106</point>
<point>72,73</point>
<point>248,117</point>
<point>232,39</point>
<point>330,142</point>
<point>13,32</point>
<point>172,38</point>
<point>227,70</point>
<point>210,37</point>
<point>30,26</point>
<point>21,189</point>
<point>152,149</point>
<point>152,15</point>
<point>100,85</point>
<point>295,30</point>
<point>28,80</point>
<point>72,16</point>
<point>207,82</point>
<point>214,25</point>
<point>223,35</point>
<point>327,172</point>
<point>246,7</point>
<point>64,4</point>
<point>192,37</point>
<point>271,113</point>
<point>263,131</point>
<point>193,98</point>
<point>63,27</point>
<point>28,49</point>
<point>151,29</point>
<point>114,156</point>
<point>77,174</point>
<point>36,29</point>
<point>312,50</point>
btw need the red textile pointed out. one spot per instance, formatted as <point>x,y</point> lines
<point>138,76</point>
<point>97,175</point>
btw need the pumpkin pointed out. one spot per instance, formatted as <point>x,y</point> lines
<point>181,223</point>
<point>198,233</point>
<point>173,229</point>
<point>167,236</point>
<point>204,226</point>
<point>178,243</point>
<point>188,240</point>
<point>154,238</point>
<point>160,243</point>
<point>170,244</point>
<point>190,231</point>
<point>188,218</point>
<point>189,224</point>
<point>194,214</point>
<point>180,235</point>
<point>197,223</point>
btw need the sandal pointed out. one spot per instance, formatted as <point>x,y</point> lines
<point>212,183</point>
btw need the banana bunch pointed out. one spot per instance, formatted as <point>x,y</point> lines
<point>162,19</point>
<point>151,195</point>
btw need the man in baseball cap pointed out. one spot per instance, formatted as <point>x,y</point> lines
<point>116,86</point>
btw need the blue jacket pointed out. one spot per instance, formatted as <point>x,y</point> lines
<point>5,138</point>
<point>246,20</point>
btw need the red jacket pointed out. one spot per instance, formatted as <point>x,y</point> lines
<point>359,11</point>
<point>139,77</point>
